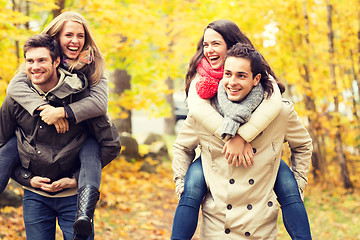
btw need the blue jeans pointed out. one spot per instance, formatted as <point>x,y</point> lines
<point>293,210</point>
<point>187,211</point>
<point>90,170</point>
<point>9,159</point>
<point>40,214</point>
<point>186,215</point>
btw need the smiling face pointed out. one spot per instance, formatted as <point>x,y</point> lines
<point>238,78</point>
<point>215,48</point>
<point>40,68</point>
<point>72,39</point>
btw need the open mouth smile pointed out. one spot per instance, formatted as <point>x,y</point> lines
<point>73,49</point>
<point>214,58</point>
<point>37,74</point>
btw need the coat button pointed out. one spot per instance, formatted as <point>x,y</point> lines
<point>39,152</point>
<point>227,231</point>
<point>254,150</point>
<point>231,181</point>
<point>40,127</point>
<point>249,206</point>
<point>251,181</point>
<point>247,234</point>
<point>229,207</point>
<point>270,203</point>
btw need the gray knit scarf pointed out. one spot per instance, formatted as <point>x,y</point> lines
<point>236,113</point>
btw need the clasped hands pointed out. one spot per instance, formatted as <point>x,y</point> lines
<point>237,151</point>
<point>54,116</point>
<point>43,183</point>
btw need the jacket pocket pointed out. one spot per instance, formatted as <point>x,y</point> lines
<point>218,160</point>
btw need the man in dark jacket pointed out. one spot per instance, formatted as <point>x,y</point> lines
<point>47,156</point>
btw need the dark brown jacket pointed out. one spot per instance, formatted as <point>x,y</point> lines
<point>43,151</point>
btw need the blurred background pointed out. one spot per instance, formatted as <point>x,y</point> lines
<point>312,45</point>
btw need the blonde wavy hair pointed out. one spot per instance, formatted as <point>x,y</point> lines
<point>54,28</point>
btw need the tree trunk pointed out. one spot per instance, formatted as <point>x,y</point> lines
<point>317,159</point>
<point>170,121</point>
<point>356,77</point>
<point>338,139</point>
<point>358,80</point>
<point>318,156</point>
<point>122,82</point>
<point>61,5</point>
<point>17,47</point>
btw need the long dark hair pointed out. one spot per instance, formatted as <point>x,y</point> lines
<point>232,35</point>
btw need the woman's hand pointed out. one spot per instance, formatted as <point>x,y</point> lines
<point>238,151</point>
<point>50,115</point>
<point>62,125</point>
<point>248,155</point>
<point>54,116</point>
<point>233,150</point>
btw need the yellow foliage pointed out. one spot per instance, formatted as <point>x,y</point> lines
<point>154,41</point>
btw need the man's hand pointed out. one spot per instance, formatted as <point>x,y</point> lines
<point>50,115</point>
<point>43,184</point>
<point>233,150</point>
<point>39,182</point>
<point>64,183</point>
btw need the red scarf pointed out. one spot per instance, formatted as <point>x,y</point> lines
<point>207,86</point>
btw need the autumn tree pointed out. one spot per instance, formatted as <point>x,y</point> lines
<point>338,139</point>
<point>147,46</point>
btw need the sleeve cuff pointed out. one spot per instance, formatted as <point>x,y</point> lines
<point>70,113</point>
<point>229,127</point>
<point>179,184</point>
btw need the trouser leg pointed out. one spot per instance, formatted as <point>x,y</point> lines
<point>187,211</point>
<point>39,217</point>
<point>294,213</point>
<point>89,184</point>
<point>9,159</point>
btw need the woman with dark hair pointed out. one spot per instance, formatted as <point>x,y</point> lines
<point>204,73</point>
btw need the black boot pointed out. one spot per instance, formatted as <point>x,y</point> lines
<point>87,198</point>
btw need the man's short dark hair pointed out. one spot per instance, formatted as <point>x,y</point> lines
<point>46,41</point>
<point>246,51</point>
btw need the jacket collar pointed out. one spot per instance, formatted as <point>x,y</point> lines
<point>69,83</point>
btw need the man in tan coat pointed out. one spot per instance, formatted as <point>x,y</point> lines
<point>241,203</point>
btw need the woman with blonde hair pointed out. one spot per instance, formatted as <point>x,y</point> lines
<point>80,53</point>
<point>90,47</point>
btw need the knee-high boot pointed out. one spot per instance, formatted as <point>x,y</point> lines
<point>87,198</point>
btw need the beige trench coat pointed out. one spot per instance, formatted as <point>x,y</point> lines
<point>241,203</point>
